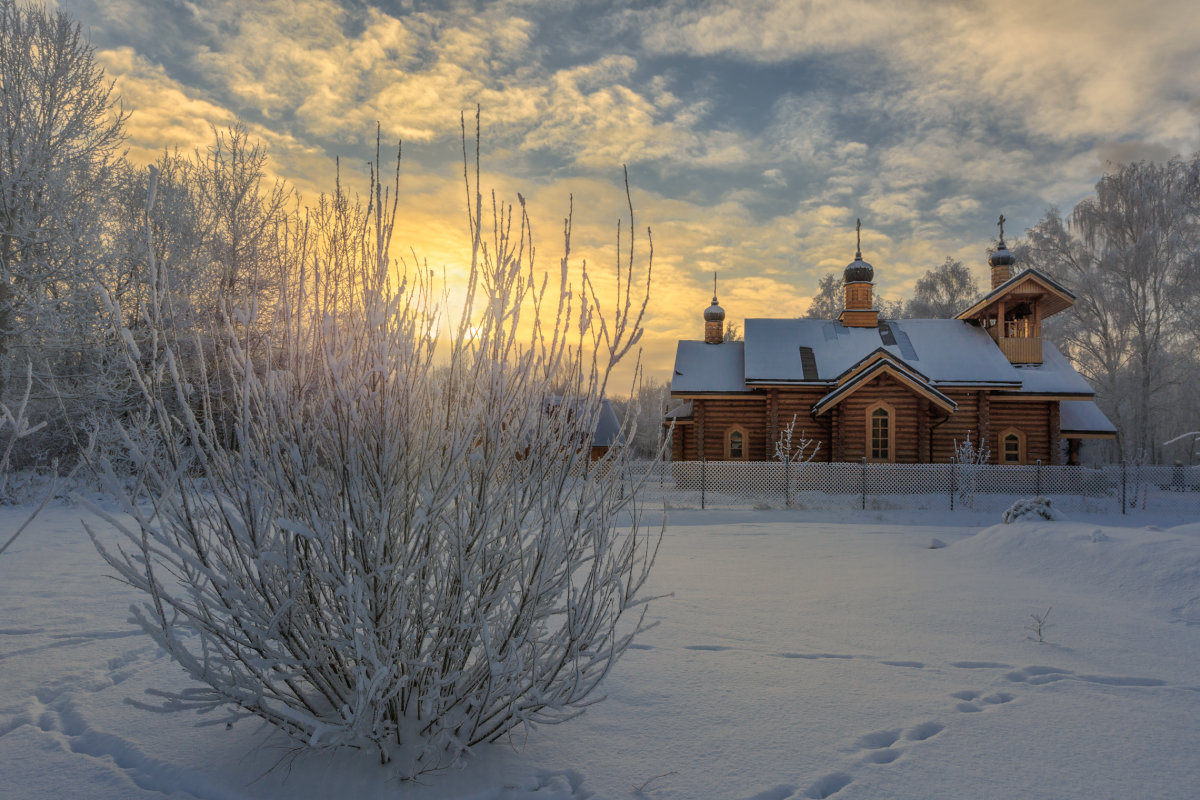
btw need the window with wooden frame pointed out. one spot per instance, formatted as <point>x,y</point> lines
<point>736,444</point>
<point>1012,446</point>
<point>881,432</point>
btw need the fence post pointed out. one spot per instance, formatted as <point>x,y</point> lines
<point>953,488</point>
<point>1038,492</point>
<point>1123,484</point>
<point>787,482</point>
<point>864,483</point>
<point>703,475</point>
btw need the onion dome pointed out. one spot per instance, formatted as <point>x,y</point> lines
<point>714,313</point>
<point>1001,256</point>
<point>858,271</point>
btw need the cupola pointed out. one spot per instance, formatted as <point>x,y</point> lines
<point>859,311</point>
<point>714,319</point>
<point>1001,260</point>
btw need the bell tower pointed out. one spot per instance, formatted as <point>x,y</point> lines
<point>859,309</point>
<point>714,319</point>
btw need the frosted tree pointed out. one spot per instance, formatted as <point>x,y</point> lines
<point>970,458</point>
<point>942,292</point>
<point>793,450</point>
<point>60,127</point>
<point>829,299</point>
<point>408,549</point>
<point>1130,253</point>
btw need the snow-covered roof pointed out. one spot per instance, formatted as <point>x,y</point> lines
<point>702,367</point>
<point>608,428</point>
<point>1054,375</point>
<point>946,351</point>
<point>1084,416</point>
<point>878,363</point>
<point>1060,297</point>
<point>681,411</point>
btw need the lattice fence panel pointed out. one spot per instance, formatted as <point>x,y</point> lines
<point>1110,489</point>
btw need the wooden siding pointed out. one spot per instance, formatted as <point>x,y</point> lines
<point>1032,419</point>
<point>922,433</point>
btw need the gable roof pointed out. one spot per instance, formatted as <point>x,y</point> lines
<point>1028,284</point>
<point>944,351</point>
<point>878,363</point>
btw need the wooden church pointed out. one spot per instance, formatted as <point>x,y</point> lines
<point>901,391</point>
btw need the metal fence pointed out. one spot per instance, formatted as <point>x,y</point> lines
<point>1116,488</point>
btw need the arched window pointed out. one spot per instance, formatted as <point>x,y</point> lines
<point>881,432</point>
<point>735,443</point>
<point>1012,446</point>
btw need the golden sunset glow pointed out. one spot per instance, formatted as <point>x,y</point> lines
<point>755,132</point>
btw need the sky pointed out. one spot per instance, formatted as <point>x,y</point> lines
<point>755,133</point>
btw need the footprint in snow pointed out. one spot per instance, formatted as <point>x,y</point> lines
<point>828,786</point>
<point>812,656</point>
<point>976,701</point>
<point>924,731</point>
<point>711,648</point>
<point>1038,676</point>
<point>781,792</point>
<point>980,665</point>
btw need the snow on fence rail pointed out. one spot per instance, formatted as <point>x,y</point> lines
<point>1107,489</point>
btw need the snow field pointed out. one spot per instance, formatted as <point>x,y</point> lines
<point>798,656</point>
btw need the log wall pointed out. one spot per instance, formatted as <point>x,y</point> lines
<point>922,432</point>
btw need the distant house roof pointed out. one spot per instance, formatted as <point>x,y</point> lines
<point>946,351</point>
<point>608,427</point>
<point>709,368</point>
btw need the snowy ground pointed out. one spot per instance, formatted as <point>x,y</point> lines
<point>800,656</point>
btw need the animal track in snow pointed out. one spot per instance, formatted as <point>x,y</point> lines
<point>976,701</point>
<point>781,792</point>
<point>913,664</point>
<point>884,756</point>
<point>562,780</point>
<point>879,739</point>
<point>712,648</point>
<point>1038,676</point>
<point>980,665</point>
<point>813,656</point>
<point>924,731</point>
<point>828,786</point>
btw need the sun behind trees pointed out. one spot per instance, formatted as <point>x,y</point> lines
<point>405,544</point>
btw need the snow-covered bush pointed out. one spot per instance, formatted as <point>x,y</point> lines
<point>1030,508</point>
<point>407,546</point>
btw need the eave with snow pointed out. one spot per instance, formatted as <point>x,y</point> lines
<point>890,390</point>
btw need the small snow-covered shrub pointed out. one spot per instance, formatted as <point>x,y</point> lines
<point>969,459</point>
<point>1030,508</point>
<point>406,544</point>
